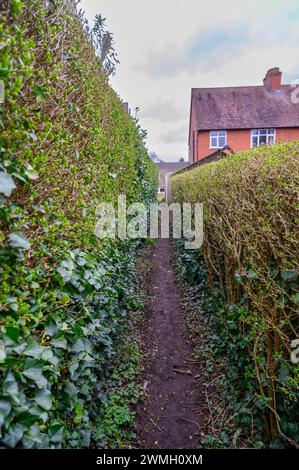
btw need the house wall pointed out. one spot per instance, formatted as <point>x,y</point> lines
<point>239,140</point>
<point>285,135</point>
<point>168,170</point>
<point>192,135</point>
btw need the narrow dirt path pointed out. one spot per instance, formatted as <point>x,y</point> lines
<point>168,415</point>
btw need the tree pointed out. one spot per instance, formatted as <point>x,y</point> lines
<point>103,43</point>
<point>155,157</point>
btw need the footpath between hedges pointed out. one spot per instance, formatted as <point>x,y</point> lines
<point>168,416</point>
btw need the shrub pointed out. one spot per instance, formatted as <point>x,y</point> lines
<point>65,144</point>
<point>251,249</point>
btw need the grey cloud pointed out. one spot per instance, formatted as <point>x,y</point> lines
<point>164,111</point>
<point>214,47</point>
<point>175,135</point>
<point>292,76</point>
<point>207,49</point>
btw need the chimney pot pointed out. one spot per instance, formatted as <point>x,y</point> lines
<point>272,80</point>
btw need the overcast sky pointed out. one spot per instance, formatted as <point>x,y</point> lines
<point>167,47</point>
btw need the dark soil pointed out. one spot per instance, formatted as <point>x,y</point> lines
<point>168,415</point>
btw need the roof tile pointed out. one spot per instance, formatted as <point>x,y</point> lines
<point>244,108</point>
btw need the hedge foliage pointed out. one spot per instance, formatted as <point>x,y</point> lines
<point>251,249</point>
<point>65,144</point>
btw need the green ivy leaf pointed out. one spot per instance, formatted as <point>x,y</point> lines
<point>51,329</point>
<point>27,418</point>
<point>44,399</point>
<point>5,408</point>
<point>55,433</point>
<point>33,437</point>
<point>10,386</point>
<point>288,275</point>
<point>13,333</point>
<point>64,273</point>
<point>7,184</point>
<point>18,240</point>
<point>33,349</point>
<point>78,346</point>
<point>60,343</point>
<point>14,435</point>
<point>2,351</point>
<point>36,375</point>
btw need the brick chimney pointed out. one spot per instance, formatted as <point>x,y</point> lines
<point>126,107</point>
<point>272,80</point>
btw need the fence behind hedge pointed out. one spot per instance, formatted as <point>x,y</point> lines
<point>251,250</point>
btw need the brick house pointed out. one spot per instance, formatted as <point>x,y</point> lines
<point>242,117</point>
<point>165,170</point>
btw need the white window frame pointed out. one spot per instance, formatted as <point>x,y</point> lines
<point>215,135</point>
<point>269,132</point>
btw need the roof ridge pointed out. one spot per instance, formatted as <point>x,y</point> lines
<point>234,87</point>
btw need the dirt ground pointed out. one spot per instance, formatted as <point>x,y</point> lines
<point>168,415</point>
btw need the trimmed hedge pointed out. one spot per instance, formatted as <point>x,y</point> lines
<point>65,145</point>
<point>251,251</point>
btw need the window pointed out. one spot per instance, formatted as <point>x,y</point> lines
<point>217,139</point>
<point>262,137</point>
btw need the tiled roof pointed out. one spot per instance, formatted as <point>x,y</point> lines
<point>244,108</point>
<point>212,157</point>
<point>171,167</point>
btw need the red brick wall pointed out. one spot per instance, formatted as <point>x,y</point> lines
<point>203,144</point>
<point>285,135</point>
<point>240,140</point>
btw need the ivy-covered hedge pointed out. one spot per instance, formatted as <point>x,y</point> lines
<point>251,252</point>
<point>65,144</point>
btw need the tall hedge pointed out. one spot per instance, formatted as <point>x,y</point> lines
<point>65,144</point>
<point>251,251</point>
